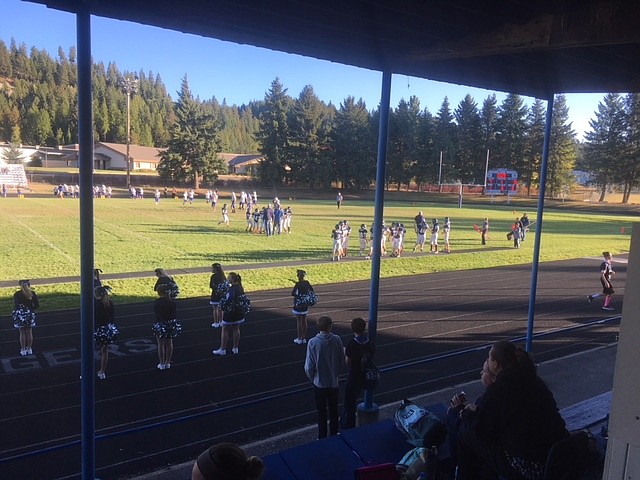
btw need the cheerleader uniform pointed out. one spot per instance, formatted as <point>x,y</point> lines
<point>301,301</point>
<point>24,314</point>
<point>235,306</point>
<point>107,332</point>
<point>166,325</point>
<point>218,290</point>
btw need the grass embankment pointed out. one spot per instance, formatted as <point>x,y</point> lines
<point>41,237</point>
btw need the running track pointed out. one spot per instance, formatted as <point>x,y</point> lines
<point>147,418</point>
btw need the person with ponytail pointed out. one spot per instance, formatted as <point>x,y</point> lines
<point>106,332</point>
<point>226,461</point>
<point>25,304</point>
<point>166,327</point>
<point>511,433</point>
<point>303,298</point>
<point>219,286</point>
<point>235,305</point>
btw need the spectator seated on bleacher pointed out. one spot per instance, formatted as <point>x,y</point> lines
<point>517,424</point>
<point>226,461</point>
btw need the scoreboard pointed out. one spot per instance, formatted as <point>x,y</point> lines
<point>502,181</point>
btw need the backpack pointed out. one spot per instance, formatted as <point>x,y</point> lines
<point>370,371</point>
<point>421,427</point>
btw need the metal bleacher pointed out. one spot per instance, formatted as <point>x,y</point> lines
<point>13,175</point>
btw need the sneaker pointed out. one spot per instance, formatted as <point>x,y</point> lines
<point>220,351</point>
<point>29,351</point>
<point>304,340</point>
<point>215,324</point>
<point>297,341</point>
<point>590,298</point>
<point>23,352</point>
<point>610,309</point>
<point>167,366</point>
<point>235,350</point>
<point>101,375</point>
<point>160,366</point>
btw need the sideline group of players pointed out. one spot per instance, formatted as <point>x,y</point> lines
<point>394,235</point>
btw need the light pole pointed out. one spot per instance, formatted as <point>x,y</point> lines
<point>129,85</point>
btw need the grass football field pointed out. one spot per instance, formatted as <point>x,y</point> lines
<point>40,238</point>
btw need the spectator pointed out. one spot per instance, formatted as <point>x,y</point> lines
<point>460,407</point>
<point>606,271</point>
<point>226,461</point>
<point>516,426</point>
<point>96,278</point>
<point>25,304</point>
<point>107,332</point>
<point>303,298</point>
<point>355,349</point>
<point>324,360</point>
<point>484,231</point>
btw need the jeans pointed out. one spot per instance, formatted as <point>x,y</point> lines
<point>327,398</point>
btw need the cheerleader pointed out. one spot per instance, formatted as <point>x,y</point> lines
<point>96,278</point>
<point>25,303</point>
<point>219,286</point>
<point>166,327</point>
<point>235,306</point>
<point>107,332</point>
<point>165,279</point>
<point>303,298</point>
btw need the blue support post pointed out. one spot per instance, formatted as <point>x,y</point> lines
<point>538,223</point>
<point>378,216</point>
<point>85,164</point>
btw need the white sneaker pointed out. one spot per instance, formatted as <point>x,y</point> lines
<point>297,341</point>
<point>160,366</point>
<point>30,351</point>
<point>23,352</point>
<point>235,350</point>
<point>304,340</point>
<point>608,308</point>
<point>216,324</point>
<point>220,351</point>
<point>101,375</point>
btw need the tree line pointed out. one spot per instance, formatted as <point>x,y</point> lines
<point>305,140</point>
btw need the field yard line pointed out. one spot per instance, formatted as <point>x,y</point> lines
<point>72,260</point>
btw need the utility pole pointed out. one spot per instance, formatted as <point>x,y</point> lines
<point>129,85</point>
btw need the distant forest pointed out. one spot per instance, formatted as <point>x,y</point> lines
<point>38,104</point>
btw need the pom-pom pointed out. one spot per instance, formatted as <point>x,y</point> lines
<point>305,300</point>
<point>173,290</point>
<point>240,304</point>
<point>23,317</point>
<point>106,334</point>
<point>169,329</point>
<point>221,289</point>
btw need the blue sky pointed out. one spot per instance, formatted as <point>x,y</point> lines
<point>237,73</point>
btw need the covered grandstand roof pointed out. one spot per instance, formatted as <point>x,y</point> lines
<point>533,48</point>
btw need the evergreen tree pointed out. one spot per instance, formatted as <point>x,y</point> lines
<point>469,158</point>
<point>510,137</point>
<point>273,135</point>
<point>604,143</point>
<point>428,162</point>
<point>562,149</point>
<point>13,154</point>
<point>445,142</point>
<point>489,125</point>
<point>534,142</point>
<point>404,140</point>
<point>194,143</point>
<point>631,171</point>
<point>353,145</point>
<point>308,140</point>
